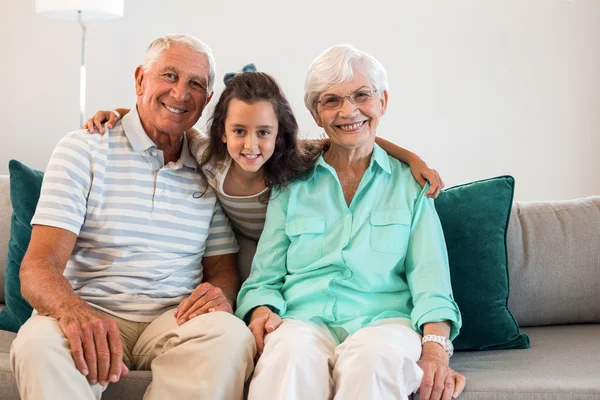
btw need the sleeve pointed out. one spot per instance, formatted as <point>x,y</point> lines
<point>221,239</point>
<point>263,286</point>
<point>66,185</point>
<point>428,271</point>
<point>198,146</point>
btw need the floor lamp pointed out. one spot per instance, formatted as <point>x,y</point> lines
<point>80,10</point>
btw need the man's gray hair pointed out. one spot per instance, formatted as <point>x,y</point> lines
<point>162,43</point>
<point>336,65</point>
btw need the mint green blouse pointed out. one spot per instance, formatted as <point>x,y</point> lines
<point>382,257</point>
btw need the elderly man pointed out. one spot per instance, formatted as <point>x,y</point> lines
<point>121,237</point>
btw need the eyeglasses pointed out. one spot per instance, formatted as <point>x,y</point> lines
<point>332,101</point>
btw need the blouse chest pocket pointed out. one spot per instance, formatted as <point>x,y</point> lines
<point>390,231</point>
<point>306,241</point>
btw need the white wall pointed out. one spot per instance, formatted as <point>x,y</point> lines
<point>478,88</point>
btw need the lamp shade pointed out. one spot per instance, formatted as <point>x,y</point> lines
<point>90,9</point>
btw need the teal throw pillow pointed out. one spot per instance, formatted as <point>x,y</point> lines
<point>474,218</point>
<point>25,185</point>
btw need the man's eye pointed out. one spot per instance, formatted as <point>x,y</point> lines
<point>196,85</point>
<point>170,76</point>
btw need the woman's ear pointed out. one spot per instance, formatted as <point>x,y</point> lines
<point>316,117</point>
<point>384,101</point>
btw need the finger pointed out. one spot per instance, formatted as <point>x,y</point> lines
<point>448,386</point>
<point>98,121</point>
<point>89,125</point>
<point>116,353</point>
<point>459,385</point>
<point>223,306</point>
<point>74,338</point>
<point>89,351</point>
<point>202,305</point>
<point>258,331</point>
<point>421,180</point>
<point>192,298</point>
<point>112,120</point>
<point>124,369</point>
<point>272,323</point>
<point>426,384</point>
<point>438,384</point>
<point>103,353</point>
<point>439,178</point>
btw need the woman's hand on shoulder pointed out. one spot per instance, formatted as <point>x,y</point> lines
<point>263,322</point>
<point>423,174</point>
<point>107,117</point>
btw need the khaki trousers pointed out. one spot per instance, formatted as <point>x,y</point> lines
<point>209,357</point>
<point>305,361</point>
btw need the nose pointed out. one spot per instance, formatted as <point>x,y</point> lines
<point>180,91</point>
<point>348,106</point>
<point>250,141</point>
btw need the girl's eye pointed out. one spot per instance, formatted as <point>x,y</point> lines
<point>238,131</point>
<point>263,132</point>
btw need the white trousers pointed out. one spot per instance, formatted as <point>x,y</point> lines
<point>303,361</point>
<point>209,357</point>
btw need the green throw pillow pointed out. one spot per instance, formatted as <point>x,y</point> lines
<point>25,185</point>
<point>475,219</point>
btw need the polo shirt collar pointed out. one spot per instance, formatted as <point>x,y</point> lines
<point>140,141</point>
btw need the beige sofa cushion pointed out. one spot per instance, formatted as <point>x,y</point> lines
<point>554,262</point>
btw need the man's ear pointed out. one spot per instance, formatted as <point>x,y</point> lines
<point>139,79</point>
<point>209,97</point>
<point>316,117</point>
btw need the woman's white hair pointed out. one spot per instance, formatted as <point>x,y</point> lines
<point>337,65</point>
<point>162,43</point>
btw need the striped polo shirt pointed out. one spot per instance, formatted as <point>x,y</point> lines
<point>142,226</point>
<point>247,213</point>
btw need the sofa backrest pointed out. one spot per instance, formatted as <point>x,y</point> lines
<point>5,212</point>
<point>554,262</point>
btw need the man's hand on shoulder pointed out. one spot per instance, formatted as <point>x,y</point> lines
<point>95,343</point>
<point>204,299</point>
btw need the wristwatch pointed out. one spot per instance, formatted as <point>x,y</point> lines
<point>441,340</point>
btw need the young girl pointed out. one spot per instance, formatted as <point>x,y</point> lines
<point>253,145</point>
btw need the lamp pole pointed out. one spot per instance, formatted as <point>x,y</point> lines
<point>82,72</point>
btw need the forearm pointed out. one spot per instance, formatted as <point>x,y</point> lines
<point>122,111</point>
<point>46,289</point>
<point>399,153</point>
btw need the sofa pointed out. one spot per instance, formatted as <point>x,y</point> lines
<point>554,265</point>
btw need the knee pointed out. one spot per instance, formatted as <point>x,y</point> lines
<point>231,331</point>
<point>37,339</point>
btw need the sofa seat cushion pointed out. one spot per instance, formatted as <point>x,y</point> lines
<point>562,363</point>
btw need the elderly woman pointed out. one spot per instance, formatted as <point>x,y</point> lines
<point>349,294</point>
